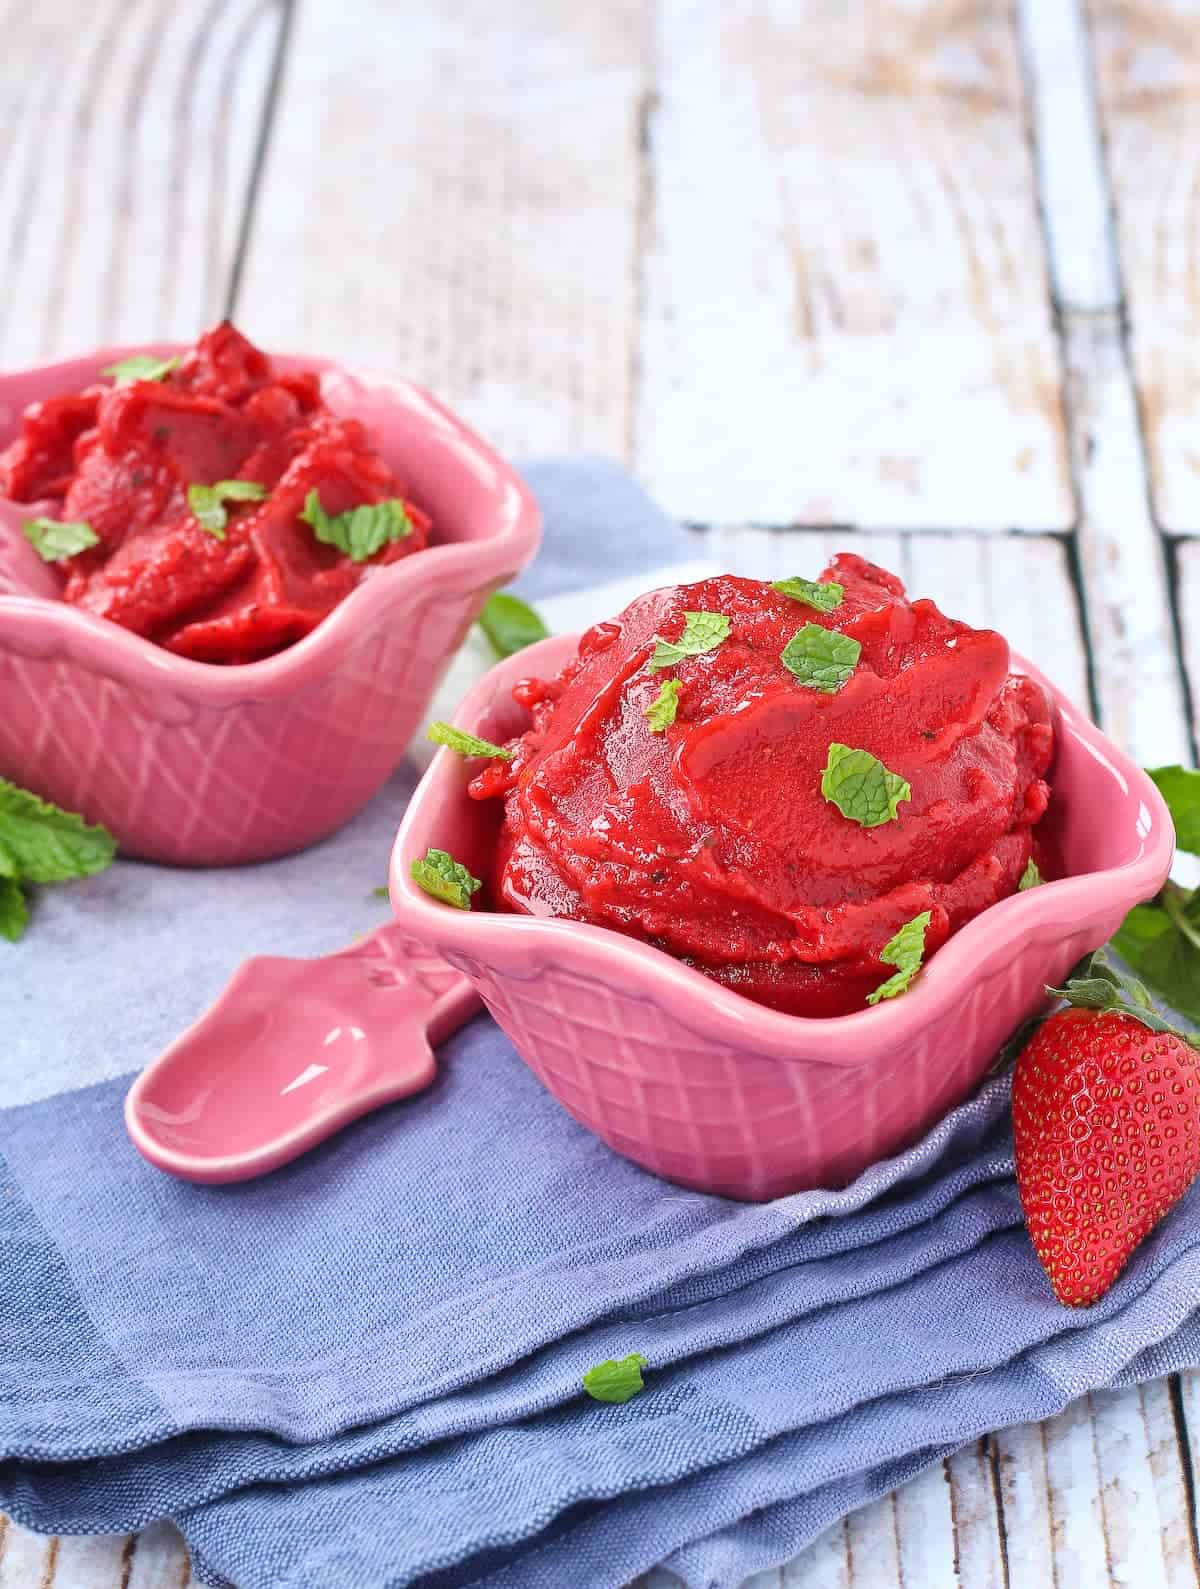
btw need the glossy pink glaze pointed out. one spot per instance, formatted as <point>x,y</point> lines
<point>196,764</point>
<point>291,1052</point>
<point>706,1088</point>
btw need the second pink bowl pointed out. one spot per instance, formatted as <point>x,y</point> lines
<point>198,764</point>
<point>706,1088</point>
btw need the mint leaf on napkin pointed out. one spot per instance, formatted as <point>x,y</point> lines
<point>360,532</point>
<point>140,367</point>
<point>825,598</point>
<point>905,951</point>
<point>660,714</point>
<point>442,877</point>
<point>510,624</point>
<point>702,631</point>
<point>43,844</point>
<point>14,911</point>
<point>616,1379</point>
<point>861,787</point>
<point>821,658</point>
<point>208,502</point>
<point>53,540</point>
<point>465,744</point>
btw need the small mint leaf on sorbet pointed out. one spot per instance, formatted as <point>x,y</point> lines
<point>861,786</point>
<point>511,624</point>
<point>140,367</point>
<point>465,744</point>
<point>53,540</point>
<point>441,876</point>
<point>208,502</point>
<point>360,532</point>
<point>821,658</point>
<point>617,1379</point>
<point>660,714</point>
<point>905,951</point>
<point>1030,877</point>
<point>702,631</point>
<point>825,598</point>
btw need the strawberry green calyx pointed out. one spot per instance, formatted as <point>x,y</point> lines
<point>1096,984</point>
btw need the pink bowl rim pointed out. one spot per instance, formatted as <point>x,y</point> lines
<point>842,1040</point>
<point>107,647</point>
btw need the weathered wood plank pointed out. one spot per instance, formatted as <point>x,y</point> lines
<point>1119,546</point>
<point>454,188</point>
<point>128,135</point>
<point>1147,55</point>
<point>845,316</point>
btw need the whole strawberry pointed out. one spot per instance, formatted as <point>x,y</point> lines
<point>1106,1119</point>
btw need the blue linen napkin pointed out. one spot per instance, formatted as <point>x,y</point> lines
<point>364,1370</point>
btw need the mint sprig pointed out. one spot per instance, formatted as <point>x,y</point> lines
<point>660,714</point>
<point>617,1379</point>
<point>821,658</point>
<point>861,787</point>
<point>140,367</point>
<point>442,877</point>
<point>905,951</point>
<point>822,597</point>
<point>702,632</point>
<point>1160,940</point>
<point>208,502</point>
<point>465,744</point>
<point>56,539</point>
<point>510,624</point>
<point>41,843</point>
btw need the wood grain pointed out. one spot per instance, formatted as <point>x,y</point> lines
<point>1147,55</point>
<point>128,133</point>
<point>844,309</point>
<point>454,192</point>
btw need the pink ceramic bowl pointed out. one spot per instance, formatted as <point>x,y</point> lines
<point>701,1085</point>
<point>199,764</point>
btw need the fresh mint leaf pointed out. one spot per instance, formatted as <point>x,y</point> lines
<point>511,624</point>
<point>465,744</point>
<point>702,631</point>
<point>208,502</point>
<point>1180,788</point>
<point>617,1379</point>
<point>825,598</point>
<point>441,876</point>
<point>861,787</point>
<point>140,367</point>
<point>1160,942</point>
<point>14,911</point>
<point>821,658</point>
<point>359,532</point>
<point>660,714</point>
<point>1030,877</point>
<point>43,844</point>
<point>54,540</point>
<point>905,951</point>
<point>382,892</point>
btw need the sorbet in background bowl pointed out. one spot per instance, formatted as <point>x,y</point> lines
<point>657,1051</point>
<point>226,760</point>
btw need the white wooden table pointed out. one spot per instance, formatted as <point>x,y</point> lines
<point>918,276</point>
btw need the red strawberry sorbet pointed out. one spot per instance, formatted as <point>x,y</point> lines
<point>713,840</point>
<point>121,457</point>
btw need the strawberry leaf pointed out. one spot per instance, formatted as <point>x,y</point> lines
<point>1096,984</point>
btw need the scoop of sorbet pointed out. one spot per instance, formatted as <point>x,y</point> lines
<point>712,838</point>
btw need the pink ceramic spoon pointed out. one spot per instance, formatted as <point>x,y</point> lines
<point>291,1052</point>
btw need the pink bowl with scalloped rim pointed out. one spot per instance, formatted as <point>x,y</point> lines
<point>706,1088</point>
<point>199,764</point>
